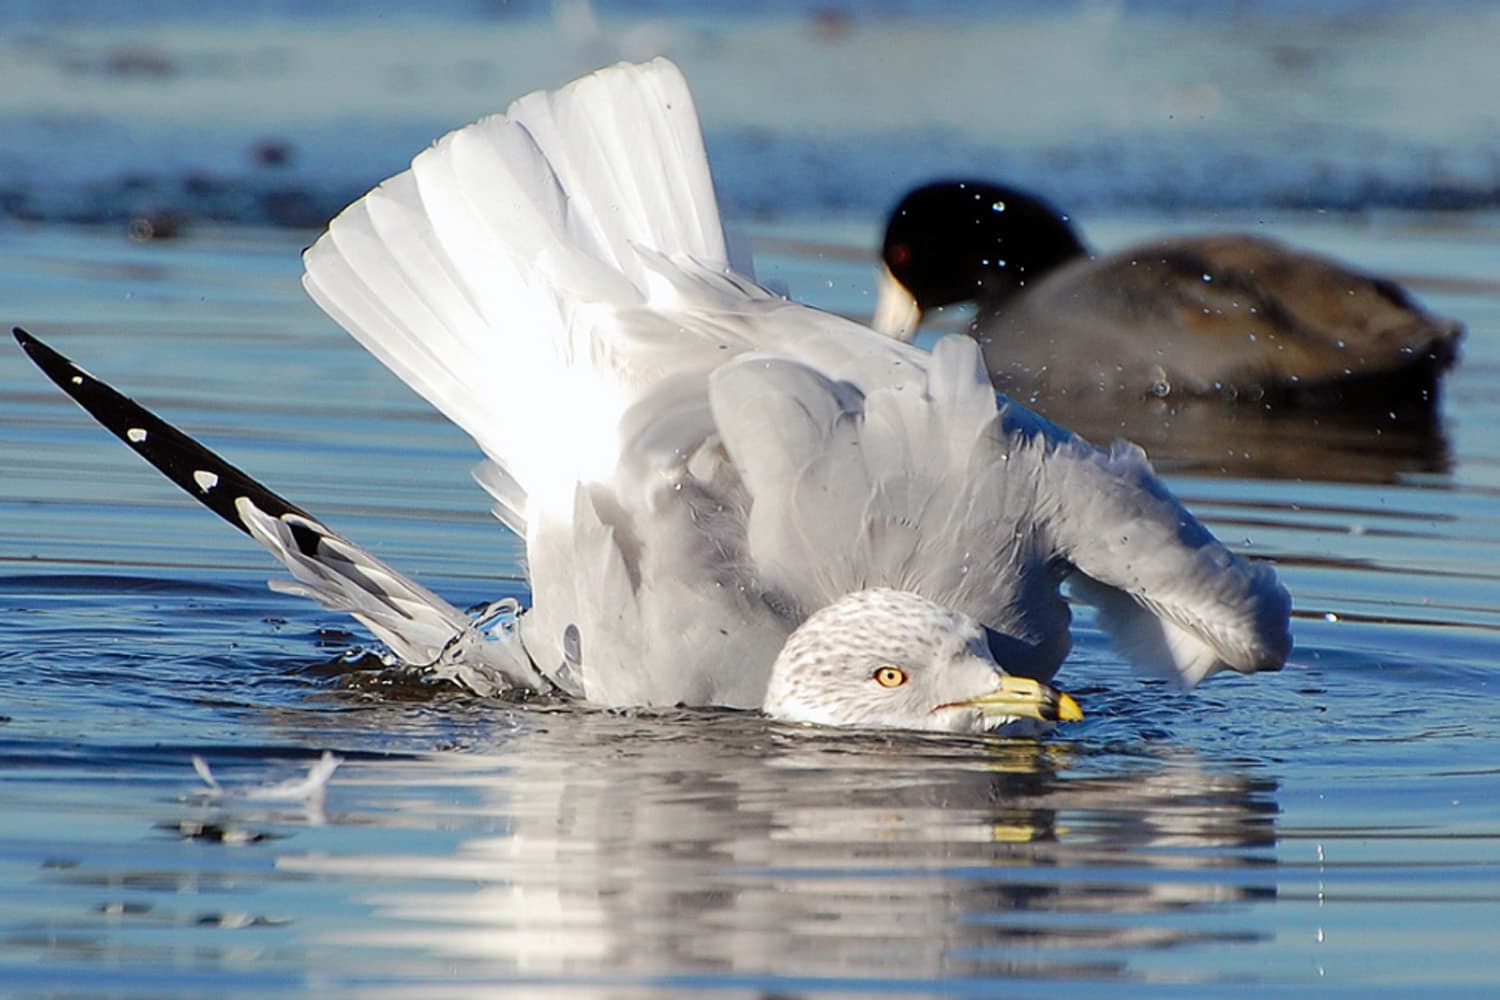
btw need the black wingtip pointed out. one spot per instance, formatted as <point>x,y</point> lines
<point>199,472</point>
<point>56,367</point>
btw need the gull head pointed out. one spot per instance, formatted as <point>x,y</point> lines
<point>891,658</point>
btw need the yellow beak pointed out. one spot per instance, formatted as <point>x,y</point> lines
<point>1024,697</point>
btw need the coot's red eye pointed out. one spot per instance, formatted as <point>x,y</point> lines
<point>899,255</point>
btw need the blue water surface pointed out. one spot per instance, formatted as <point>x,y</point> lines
<point>169,112</point>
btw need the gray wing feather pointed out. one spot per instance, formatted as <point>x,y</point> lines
<point>932,487</point>
<point>650,579</point>
<point>584,597</point>
<point>1168,592</point>
<point>420,627</point>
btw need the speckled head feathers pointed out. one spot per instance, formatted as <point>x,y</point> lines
<point>885,658</point>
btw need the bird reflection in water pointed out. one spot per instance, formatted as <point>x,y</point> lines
<point>1357,441</point>
<point>633,844</point>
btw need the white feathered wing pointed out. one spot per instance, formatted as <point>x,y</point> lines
<point>695,464</point>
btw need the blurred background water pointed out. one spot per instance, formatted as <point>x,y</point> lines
<point>1331,829</point>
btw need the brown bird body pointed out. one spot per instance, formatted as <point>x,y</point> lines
<point>1217,314</point>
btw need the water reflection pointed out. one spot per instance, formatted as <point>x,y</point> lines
<point>1362,443</point>
<point>654,845</point>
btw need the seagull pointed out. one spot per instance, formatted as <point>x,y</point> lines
<point>1217,314</point>
<point>727,498</point>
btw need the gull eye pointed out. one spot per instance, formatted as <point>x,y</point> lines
<point>890,677</point>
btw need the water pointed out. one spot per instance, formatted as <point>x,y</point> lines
<point>259,111</point>
<point>1333,829</point>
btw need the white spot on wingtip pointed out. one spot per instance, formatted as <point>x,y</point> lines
<point>77,380</point>
<point>136,435</point>
<point>205,480</point>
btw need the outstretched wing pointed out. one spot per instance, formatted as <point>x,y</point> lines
<point>517,275</point>
<point>1171,597</point>
<point>419,627</point>
<point>541,276</point>
<point>932,487</point>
